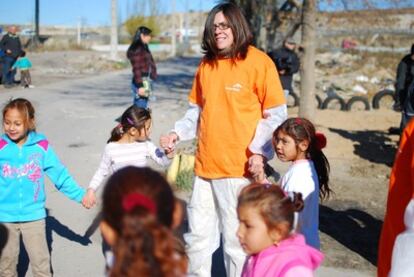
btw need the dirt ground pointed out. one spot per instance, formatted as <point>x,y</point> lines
<point>360,150</point>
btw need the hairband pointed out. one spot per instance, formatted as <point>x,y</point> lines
<point>320,140</point>
<point>132,200</point>
<point>298,120</point>
<point>130,121</point>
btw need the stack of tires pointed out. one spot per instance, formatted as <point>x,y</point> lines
<point>382,99</point>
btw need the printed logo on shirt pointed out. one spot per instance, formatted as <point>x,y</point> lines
<point>234,88</point>
<point>32,170</point>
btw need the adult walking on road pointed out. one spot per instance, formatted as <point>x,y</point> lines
<point>143,66</point>
<point>287,63</point>
<point>404,88</point>
<point>11,46</point>
<point>236,102</point>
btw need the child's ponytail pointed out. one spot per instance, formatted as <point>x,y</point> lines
<point>145,247</point>
<point>321,163</point>
<point>116,133</point>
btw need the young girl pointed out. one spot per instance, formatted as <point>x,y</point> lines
<point>296,141</point>
<point>139,212</point>
<point>25,158</point>
<point>128,145</point>
<point>266,215</point>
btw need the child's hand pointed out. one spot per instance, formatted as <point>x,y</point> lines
<point>169,153</point>
<point>89,200</point>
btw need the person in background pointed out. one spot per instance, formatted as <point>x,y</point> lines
<point>139,212</point>
<point>236,102</point>
<point>11,46</point>
<point>23,64</point>
<point>287,63</point>
<point>143,65</point>
<point>404,88</point>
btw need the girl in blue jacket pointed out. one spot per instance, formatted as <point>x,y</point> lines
<point>25,158</point>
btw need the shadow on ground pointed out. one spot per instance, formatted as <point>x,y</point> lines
<point>353,228</point>
<point>374,146</point>
<point>52,224</point>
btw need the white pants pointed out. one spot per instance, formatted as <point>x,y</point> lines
<point>403,251</point>
<point>211,211</point>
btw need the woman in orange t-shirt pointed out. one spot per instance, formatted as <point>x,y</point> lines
<point>236,102</point>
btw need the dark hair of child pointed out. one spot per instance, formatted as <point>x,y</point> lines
<point>275,206</point>
<point>132,117</point>
<point>22,53</point>
<point>301,129</point>
<point>138,205</point>
<point>26,110</point>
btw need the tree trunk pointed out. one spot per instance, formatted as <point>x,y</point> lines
<point>307,105</point>
<point>114,30</point>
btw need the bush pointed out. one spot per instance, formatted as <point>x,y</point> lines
<point>132,23</point>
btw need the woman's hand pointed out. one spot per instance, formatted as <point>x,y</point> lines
<point>256,167</point>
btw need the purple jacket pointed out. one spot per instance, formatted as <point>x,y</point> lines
<point>276,261</point>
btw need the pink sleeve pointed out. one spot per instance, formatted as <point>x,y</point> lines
<point>299,271</point>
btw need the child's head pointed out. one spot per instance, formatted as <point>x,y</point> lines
<point>135,122</point>
<point>266,216</point>
<point>22,53</point>
<point>18,119</point>
<point>296,139</point>
<point>138,212</point>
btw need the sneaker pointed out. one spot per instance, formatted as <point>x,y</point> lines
<point>31,86</point>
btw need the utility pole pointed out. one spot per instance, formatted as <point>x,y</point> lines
<point>173,37</point>
<point>79,31</point>
<point>114,30</point>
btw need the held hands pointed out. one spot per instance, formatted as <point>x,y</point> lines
<point>89,200</point>
<point>168,142</point>
<point>256,168</point>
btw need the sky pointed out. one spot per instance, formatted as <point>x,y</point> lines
<point>97,12</point>
<point>90,12</point>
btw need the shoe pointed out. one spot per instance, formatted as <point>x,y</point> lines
<point>31,86</point>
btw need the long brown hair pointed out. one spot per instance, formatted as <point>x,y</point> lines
<point>239,26</point>
<point>301,129</point>
<point>145,244</point>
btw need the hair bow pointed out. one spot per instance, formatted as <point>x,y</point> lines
<point>132,200</point>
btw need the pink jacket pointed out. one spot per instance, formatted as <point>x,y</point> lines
<point>276,261</point>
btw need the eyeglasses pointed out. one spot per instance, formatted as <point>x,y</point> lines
<point>221,26</point>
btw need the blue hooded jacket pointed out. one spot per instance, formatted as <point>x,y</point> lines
<point>22,172</point>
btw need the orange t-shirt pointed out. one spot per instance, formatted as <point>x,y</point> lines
<point>400,192</point>
<point>232,98</point>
